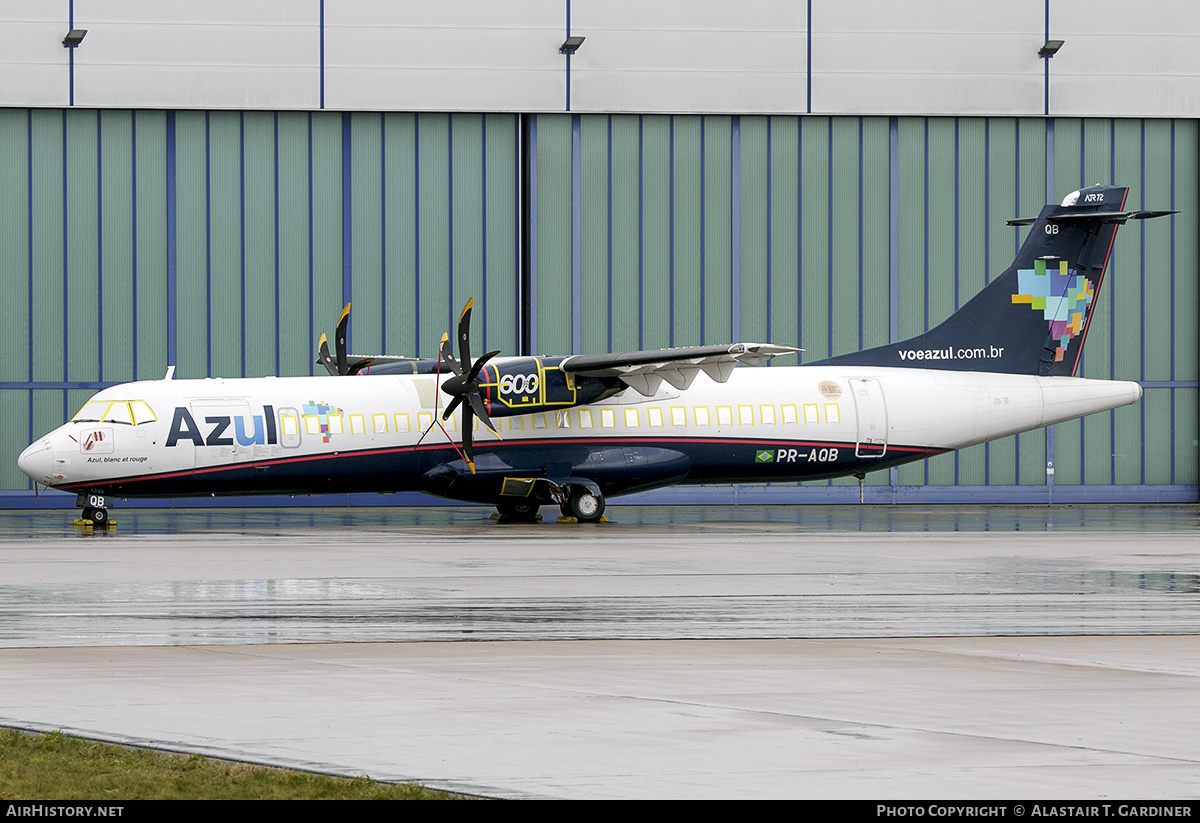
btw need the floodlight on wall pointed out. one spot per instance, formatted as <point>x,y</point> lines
<point>1050,49</point>
<point>571,45</point>
<point>74,38</point>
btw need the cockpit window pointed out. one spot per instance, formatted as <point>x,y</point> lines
<point>91,412</point>
<point>141,412</point>
<point>129,412</point>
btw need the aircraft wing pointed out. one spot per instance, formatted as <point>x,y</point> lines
<point>644,371</point>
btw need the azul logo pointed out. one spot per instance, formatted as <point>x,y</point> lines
<point>184,427</point>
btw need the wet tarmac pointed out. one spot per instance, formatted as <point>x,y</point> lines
<point>732,651</point>
<point>252,576</point>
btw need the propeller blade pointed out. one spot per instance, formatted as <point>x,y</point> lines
<point>451,407</point>
<point>479,364</point>
<point>476,404</point>
<point>326,359</point>
<point>447,356</point>
<point>468,438</point>
<point>464,327</point>
<point>340,341</point>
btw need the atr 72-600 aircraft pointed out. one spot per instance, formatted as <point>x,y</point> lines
<point>574,430</point>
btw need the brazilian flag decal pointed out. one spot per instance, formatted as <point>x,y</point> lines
<point>765,456</point>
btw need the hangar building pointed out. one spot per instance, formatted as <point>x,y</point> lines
<point>206,184</point>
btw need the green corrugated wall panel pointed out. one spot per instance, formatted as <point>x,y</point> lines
<point>814,238</point>
<point>466,158</point>
<point>753,175</point>
<point>51,408</point>
<point>115,215</point>
<point>225,286</point>
<point>1184,435</point>
<point>814,223</point>
<point>150,196</point>
<point>784,295</point>
<point>297,336</point>
<point>688,230</point>
<point>625,232</point>
<point>367,246</point>
<point>17,432</point>
<point>1154,238</point>
<point>1125,299</point>
<point>554,234</point>
<point>82,242</point>
<point>846,332</point>
<point>258,235</point>
<point>876,245</point>
<point>1031,197</point>
<point>876,251</point>
<point>437,315</point>
<point>15,320</point>
<point>717,267</point>
<point>402,334</point>
<point>191,250</point>
<point>326,222</point>
<point>503,231</point>
<point>912,276</point>
<point>593,238</point>
<point>656,220</point>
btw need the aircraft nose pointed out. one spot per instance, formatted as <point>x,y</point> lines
<point>37,462</point>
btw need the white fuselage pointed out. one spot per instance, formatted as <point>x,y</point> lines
<point>233,436</point>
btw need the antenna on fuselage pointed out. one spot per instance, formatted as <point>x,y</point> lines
<point>170,375</point>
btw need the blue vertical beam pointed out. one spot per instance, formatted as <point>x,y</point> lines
<point>99,251</point>
<point>1049,199</point>
<point>641,229</point>
<point>671,232</point>
<point>242,230</point>
<point>347,238</point>
<point>530,301</point>
<point>172,268</point>
<point>275,183</point>
<point>576,233</point>
<point>133,264</point>
<point>735,162</point>
<point>893,252</point>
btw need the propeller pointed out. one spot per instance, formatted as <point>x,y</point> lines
<point>340,364</point>
<point>465,386</point>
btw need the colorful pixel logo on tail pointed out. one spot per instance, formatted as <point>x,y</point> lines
<point>1064,298</point>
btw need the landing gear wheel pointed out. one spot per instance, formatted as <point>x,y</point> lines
<point>524,512</point>
<point>584,506</point>
<point>99,517</point>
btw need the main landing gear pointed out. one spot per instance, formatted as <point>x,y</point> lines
<point>95,511</point>
<point>577,503</point>
<point>583,504</point>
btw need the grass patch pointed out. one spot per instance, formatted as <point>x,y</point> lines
<point>60,767</point>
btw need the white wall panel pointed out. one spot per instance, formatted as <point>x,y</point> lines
<point>33,62</point>
<point>689,56</point>
<point>928,57</point>
<point>1123,61</point>
<point>215,54</point>
<point>869,57</point>
<point>468,55</point>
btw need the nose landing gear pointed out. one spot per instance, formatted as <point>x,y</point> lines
<point>95,511</point>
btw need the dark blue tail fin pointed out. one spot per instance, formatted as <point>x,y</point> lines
<point>1033,318</point>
